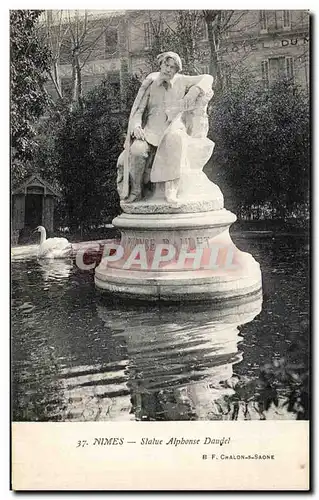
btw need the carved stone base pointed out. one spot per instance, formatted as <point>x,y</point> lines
<point>231,274</point>
<point>163,207</point>
<point>196,193</point>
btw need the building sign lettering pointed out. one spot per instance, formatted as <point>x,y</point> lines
<point>294,41</point>
<point>248,46</point>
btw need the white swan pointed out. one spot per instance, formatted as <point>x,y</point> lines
<point>53,248</point>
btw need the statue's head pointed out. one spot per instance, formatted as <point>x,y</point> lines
<point>170,64</point>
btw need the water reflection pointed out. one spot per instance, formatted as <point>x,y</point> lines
<point>180,357</point>
<point>79,356</point>
<point>76,357</point>
<point>55,270</point>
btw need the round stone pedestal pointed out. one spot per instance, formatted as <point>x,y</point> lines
<point>180,256</point>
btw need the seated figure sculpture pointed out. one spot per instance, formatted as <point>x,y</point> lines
<point>169,108</point>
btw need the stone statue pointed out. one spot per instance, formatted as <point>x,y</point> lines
<point>168,124</point>
<point>175,243</point>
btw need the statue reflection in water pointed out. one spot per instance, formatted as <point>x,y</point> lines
<point>181,357</point>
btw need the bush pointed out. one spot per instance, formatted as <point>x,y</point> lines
<point>28,63</point>
<point>262,151</point>
<point>88,145</point>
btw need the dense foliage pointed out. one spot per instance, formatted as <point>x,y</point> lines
<point>261,157</point>
<point>262,138</point>
<point>88,142</point>
<point>28,64</point>
<point>262,151</point>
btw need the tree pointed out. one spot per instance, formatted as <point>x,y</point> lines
<point>45,160</point>
<point>218,23</point>
<point>182,30</point>
<point>72,36</point>
<point>262,146</point>
<point>197,36</point>
<point>28,64</point>
<point>88,144</point>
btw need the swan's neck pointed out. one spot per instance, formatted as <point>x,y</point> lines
<point>43,235</point>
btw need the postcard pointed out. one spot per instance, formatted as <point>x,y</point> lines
<point>160,169</point>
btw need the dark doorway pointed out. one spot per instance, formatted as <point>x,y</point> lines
<point>33,210</point>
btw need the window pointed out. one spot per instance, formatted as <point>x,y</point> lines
<point>265,73</point>
<point>277,68</point>
<point>147,35</point>
<point>286,19</point>
<point>274,20</point>
<point>290,68</point>
<point>111,39</point>
<point>263,20</point>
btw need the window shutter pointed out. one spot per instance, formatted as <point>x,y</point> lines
<point>286,19</point>
<point>290,68</point>
<point>265,72</point>
<point>147,35</point>
<point>263,20</point>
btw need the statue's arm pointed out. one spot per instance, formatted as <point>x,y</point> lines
<point>196,86</point>
<point>203,82</point>
<point>136,120</point>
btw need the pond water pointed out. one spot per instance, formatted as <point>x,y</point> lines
<point>78,355</point>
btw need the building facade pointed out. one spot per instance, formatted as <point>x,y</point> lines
<point>269,44</point>
<point>101,41</point>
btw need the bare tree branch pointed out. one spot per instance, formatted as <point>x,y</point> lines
<point>73,35</point>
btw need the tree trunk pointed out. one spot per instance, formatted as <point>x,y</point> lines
<point>79,84</point>
<point>55,77</point>
<point>213,22</point>
<point>76,80</point>
<point>212,53</point>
